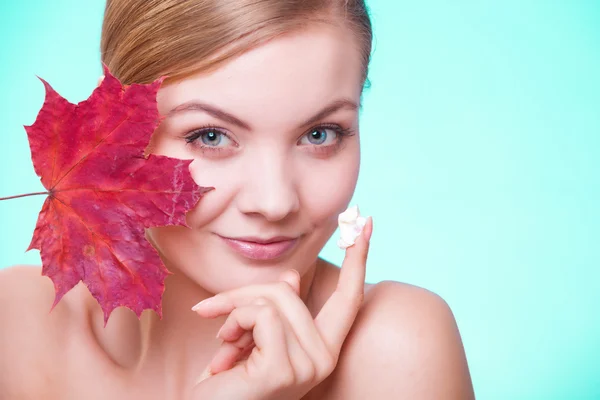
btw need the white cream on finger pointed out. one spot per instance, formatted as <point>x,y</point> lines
<point>351,225</point>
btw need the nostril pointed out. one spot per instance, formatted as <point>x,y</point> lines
<point>268,191</point>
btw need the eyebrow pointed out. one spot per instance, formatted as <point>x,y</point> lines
<point>194,105</point>
<point>211,110</point>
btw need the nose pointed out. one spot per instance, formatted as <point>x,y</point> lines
<point>269,188</point>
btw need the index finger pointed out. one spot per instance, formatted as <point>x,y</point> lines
<point>337,315</point>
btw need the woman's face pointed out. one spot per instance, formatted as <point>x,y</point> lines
<point>275,132</point>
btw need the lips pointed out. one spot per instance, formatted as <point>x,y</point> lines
<point>261,248</point>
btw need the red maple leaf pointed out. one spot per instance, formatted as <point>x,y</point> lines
<point>103,193</point>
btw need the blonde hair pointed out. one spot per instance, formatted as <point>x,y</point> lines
<point>143,40</point>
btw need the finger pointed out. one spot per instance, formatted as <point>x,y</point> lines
<point>337,315</point>
<point>232,331</point>
<point>246,353</point>
<point>224,302</point>
<point>100,80</point>
<point>231,352</point>
<point>292,277</point>
<point>268,333</point>
<point>352,274</point>
<point>302,365</point>
<point>237,343</point>
<point>290,306</point>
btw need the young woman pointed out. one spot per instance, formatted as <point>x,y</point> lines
<point>264,96</point>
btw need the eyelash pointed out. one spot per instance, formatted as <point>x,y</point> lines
<point>192,136</point>
<point>342,134</point>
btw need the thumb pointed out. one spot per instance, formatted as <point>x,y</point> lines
<point>292,277</point>
<point>100,80</point>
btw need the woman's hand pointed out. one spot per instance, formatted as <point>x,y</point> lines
<point>288,353</point>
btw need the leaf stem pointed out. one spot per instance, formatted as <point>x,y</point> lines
<point>23,195</point>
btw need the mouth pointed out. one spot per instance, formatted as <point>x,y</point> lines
<point>261,248</point>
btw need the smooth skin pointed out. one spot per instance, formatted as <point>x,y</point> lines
<point>294,328</point>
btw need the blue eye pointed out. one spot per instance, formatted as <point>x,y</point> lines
<point>320,136</point>
<point>209,137</point>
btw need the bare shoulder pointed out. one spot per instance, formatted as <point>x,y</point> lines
<point>32,334</point>
<point>405,343</point>
<point>26,298</point>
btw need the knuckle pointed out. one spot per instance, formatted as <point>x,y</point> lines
<point>284,287</point>
<point>307,373</point>
<point>234,313</point>
<point>261,301</point>
<point>326,366</point>
<point>268,313</point>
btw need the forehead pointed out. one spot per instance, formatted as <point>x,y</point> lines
<point>294,74</point>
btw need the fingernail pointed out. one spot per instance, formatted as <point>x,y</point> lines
<point>203,302</point>
<point>368,229</point>
<point>206,374</point>
<point>219,333</point>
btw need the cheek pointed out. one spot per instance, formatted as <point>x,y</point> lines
<point>223,177</point>
<point>327,191</point>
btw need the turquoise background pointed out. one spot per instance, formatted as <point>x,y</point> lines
<point>481,138</point>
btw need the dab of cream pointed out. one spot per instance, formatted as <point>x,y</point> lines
<point>351,225</point>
